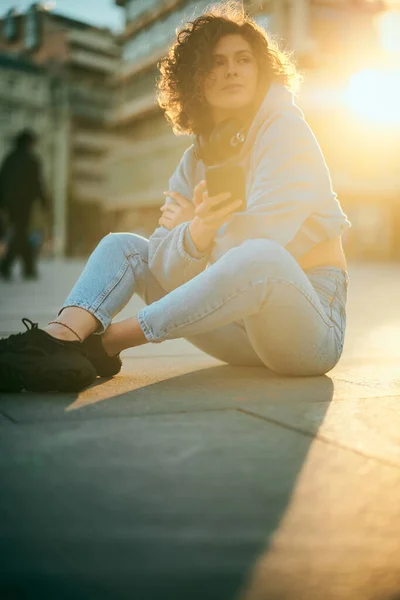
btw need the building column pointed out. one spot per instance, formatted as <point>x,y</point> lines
<point>60,167</point>
<point>299,25</point>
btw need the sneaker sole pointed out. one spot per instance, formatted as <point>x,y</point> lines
<point>49,377</point>
<point>106,373</point>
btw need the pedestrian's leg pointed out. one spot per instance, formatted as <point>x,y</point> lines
<point>27,252</point>
<point>11,254</point>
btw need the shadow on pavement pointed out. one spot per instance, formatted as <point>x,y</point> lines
<point>169,491</point>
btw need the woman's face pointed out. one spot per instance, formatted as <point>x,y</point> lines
<point>232,83</point>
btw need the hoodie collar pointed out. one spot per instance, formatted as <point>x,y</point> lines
<point>277,98</point>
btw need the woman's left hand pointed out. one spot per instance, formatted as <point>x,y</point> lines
<point>175,214</point>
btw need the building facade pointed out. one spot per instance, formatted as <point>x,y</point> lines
<point>30,97</point>
<point>334,41</point>
<point>81,62</point>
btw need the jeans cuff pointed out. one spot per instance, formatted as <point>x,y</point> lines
<point>149,335</point>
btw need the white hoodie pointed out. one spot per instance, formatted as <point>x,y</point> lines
<point>289,194</point>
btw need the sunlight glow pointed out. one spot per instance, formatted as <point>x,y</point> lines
<point>375,94</point>
<point>49,6</point>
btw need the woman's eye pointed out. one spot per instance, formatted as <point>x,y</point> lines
<point>245,59</point>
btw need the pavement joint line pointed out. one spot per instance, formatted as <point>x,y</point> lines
<point>368,385</point>
<point>126,417</point>
<point>6,416</point>
<point>320,437</point>
<point>147,356</point>
<point>377,398</point>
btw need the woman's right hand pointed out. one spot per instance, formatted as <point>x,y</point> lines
<point>213,211</point>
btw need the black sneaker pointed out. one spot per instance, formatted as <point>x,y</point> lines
<point>105,365</point>
<point>38,362</point>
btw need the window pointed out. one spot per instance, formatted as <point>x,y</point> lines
<point>31,32</point>
<point>10,29</point>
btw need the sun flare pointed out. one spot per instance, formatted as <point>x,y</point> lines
<point>375,95</point>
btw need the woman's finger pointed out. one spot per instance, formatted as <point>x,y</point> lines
<point>199,192</point>
<point>168,226</point>
<point>171,208</point>
<point>223,212</point>
<point>165,219</point>
<point>208,205</point>
<point>182,201</point>
<point>214,201</point>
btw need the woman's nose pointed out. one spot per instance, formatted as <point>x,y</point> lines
<point>231,70</point>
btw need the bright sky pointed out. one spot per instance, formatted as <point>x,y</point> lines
<point>103,13</point>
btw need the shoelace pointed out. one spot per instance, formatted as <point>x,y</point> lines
<point>29,326</point>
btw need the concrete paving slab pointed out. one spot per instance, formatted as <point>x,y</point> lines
<point>373,313</point>
<point>187,478</point>
<point>316,552</point>
<point>338,412</point>
<point>369,426</point>
<point>193,506</point>
<point>381,374</point>
<point>159,385</point>
<point>5,420</point>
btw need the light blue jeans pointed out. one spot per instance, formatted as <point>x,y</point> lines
<point>254,306</point>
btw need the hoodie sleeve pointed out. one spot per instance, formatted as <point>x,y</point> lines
<point>173,257</point>
<point>290,181</point>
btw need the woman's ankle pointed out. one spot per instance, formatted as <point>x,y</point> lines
<point>72,324</point>
<point>61,333</point>
<point>122,335</point>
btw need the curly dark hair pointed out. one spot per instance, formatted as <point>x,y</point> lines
<point>189,60</point>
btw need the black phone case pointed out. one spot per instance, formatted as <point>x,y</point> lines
<point>226,179</point>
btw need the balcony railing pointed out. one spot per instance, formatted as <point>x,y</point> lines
<point>95,95</point>
<point>89,191</point>
<point>90,103</point>
<point>135,108</point>
<point>99,41</point>
<point>90,60</point>
<point>88,169</point>
<point>90,112</point>
<point>93,142</point>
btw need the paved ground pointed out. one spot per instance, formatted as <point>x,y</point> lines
<point>188,479</point>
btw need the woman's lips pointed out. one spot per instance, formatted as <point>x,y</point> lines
<point>233,87</point>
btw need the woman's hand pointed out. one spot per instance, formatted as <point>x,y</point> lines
<point>211,212</point>
<point>174,214</point>
<point>214,211</point>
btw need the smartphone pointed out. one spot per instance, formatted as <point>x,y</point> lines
<point>227,179</point>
